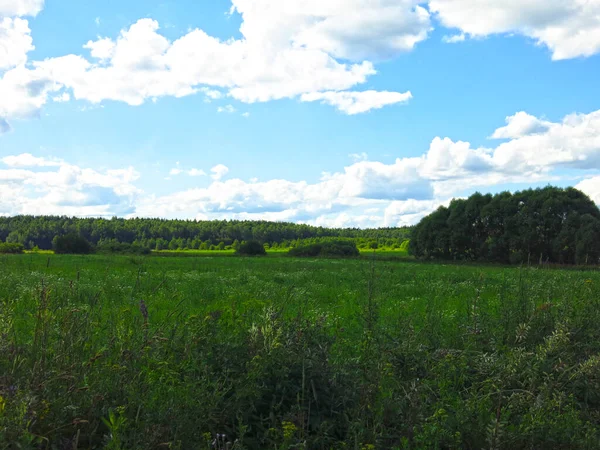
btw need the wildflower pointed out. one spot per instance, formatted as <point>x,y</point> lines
<point>289,429</point>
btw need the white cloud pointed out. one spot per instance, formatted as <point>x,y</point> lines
<point>358,102</point>
<point>15,42</point>
<point>28,160</point>
<point>23,92</point>
<point>591,186</point>
<point>196,173</point>
<point>246,114</point>
<point>191,172</point>
<point>226,109</point>
<point>219,171</point>
<point>211,94</point>
<point>569,28</point>
<point>309,49</point>
<point>358,156</point>
<point>520,125</point>
<point>62,98</point>
<point>348,29</point>
<point>455,38</point>
<point>365,193</point>
<point>102,49</point>
<point>62,188</point>
<point>12,8</point>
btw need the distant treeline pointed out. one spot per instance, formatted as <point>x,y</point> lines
<point>160,234</point>
<point>542,225</point>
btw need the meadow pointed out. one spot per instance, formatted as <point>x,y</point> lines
<point>215,352</point>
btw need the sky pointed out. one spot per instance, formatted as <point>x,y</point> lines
<point>338,113</point>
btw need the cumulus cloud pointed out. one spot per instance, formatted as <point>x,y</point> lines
<point>191,172</point>
<point>520,125</point>
<point>12,8</point>
<point>454,38</point>
<point>28,160</point>
<point>309,49</point>
<point>569,28</point>
<point>23,92</point>
<point>591,186</point>
<point>219,171</point>
<point>15,42</point>
<point>407,189</point>
<point>56,187</point>
<point>313,47</point>
<point>226,109</point>
<point>348,29</point>
<point>365,193</point>
<point>357,102</point>
<point>62,98</point>
<point>358,156</point>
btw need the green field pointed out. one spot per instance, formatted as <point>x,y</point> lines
<point>284,353</point>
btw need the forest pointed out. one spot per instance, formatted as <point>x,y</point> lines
<point>537,225</point>
<point>160,234</point>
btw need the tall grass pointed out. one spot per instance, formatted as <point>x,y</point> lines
<point>283,353</point>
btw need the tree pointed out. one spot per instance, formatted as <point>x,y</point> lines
<point>252,248</point>
<point>549,224</point>
<point>71,244</point>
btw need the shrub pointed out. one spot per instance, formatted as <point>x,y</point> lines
<point>11,247</point>
<point>252,248</point>
<point>71,244</point>
<point>330,248</point>
<point>114,246</point>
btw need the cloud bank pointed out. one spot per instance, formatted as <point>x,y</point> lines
<point>365,193</point>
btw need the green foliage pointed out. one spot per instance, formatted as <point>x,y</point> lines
<point>178,234</point>
<point>7,247</point>
<point>71,244</point>
<point>114,246</point>
<point>251,248</point>
<point>533,226</point>
<point>333,248</point>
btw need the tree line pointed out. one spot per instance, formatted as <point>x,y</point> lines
<point>161,234</point>
<point>537,225</point>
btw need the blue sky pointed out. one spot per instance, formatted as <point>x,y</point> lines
<point>341,113</point>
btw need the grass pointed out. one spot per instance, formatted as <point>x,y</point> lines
<point>282,353</point>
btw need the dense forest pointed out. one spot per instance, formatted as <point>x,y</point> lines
<point>548,225</point>
<point>40,231</point>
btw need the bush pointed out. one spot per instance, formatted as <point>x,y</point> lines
<point>114,246</point>
<point>71,244</point>
<point>10,247</point>
<point>330,248</point>
<point>252,248</point>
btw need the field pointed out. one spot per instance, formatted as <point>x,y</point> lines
<point>237,353</point>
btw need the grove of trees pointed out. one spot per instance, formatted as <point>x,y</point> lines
<point>548,225</point>
<point>159,234</point>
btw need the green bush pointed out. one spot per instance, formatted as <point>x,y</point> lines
<point>251,248</point>
<point>8,247</point>
<point>71,244</point>
<point>114,246</point>
<point>330,248</point>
